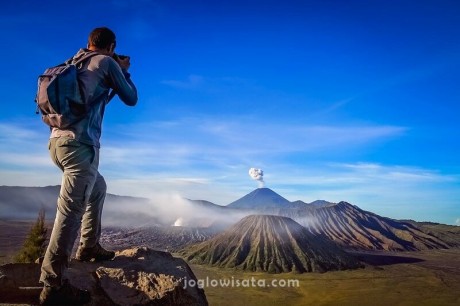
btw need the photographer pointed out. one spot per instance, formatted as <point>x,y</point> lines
<point>75,150</point>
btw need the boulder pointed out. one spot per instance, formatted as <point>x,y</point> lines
<point>138,276</point>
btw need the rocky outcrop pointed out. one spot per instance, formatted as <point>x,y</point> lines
<point>138,276</point>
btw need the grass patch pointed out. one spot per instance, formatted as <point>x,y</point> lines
<point>424,283</point>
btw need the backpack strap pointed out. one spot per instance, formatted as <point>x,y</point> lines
<point>81,59</point>
<point>76,62</point>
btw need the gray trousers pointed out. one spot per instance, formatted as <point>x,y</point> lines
<point>79,204</point>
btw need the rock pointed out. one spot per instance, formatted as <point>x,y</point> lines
<point>19,283</point>
<point>138,276</point>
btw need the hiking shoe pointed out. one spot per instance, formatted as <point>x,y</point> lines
<point>97,253</point>
<point>64,295</point>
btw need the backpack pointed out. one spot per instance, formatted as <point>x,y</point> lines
<point>59,98</point>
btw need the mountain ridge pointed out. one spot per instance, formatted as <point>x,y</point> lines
<point>267,198</point>
<point>355,228</point>
<point>344,223</point>
<point>268,243</point>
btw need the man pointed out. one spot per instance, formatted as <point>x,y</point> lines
<point>75,151</point>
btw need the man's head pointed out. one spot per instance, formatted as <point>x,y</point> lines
<point>102,40</point>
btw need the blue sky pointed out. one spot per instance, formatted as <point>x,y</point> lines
<point>335,100</point>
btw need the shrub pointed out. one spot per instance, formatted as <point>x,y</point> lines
<point>35,244</point>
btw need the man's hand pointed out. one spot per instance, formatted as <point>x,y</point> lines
<point>124,63</point>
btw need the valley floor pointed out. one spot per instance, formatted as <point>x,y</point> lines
<point>390,278</point>
<point>416,278</point>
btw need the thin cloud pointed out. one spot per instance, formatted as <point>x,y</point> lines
<point>25,159</point>
<point>333,107</point>
<point>192,82</point>
<point>366,178</point>
<point>200,141</point>
<point>368,185</point>
<point>257,136</point>
<point>15,131</point>
<point>206,148</point>
<point>207,84</point>
<point>203,143</point>
<point>207,158</point>
<point>30,176</point>
<point>23,146</point>
<point>397,173</point>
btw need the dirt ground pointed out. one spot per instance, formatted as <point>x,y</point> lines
<point>414,278</point>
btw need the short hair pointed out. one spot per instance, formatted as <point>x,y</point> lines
<point>101,38</point>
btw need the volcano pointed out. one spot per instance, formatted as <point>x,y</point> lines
<point>347,224</point>
<point>261,198</point>
<point>271,244</point>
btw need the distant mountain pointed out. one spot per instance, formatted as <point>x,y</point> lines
<point>354,228</point>
<point>272,244</point>
<point>260,198</point>
<point>315,204</point>
<point>346,224</point>
<point>18,202</point>
<point>25,202</point>
<point>321,203</point>
<point>447,233</point>
<point>207,204</point>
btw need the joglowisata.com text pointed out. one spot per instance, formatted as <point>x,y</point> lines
<point>232,282</point>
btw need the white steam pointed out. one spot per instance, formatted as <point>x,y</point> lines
<point>258,175</point>
<point>179,222</point>
<point>162,209</point>
<point>165,210</point>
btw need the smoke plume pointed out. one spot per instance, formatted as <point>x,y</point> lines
<point>179,222</point>
<point>258,175</point>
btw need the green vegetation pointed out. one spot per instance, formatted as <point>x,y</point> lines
<point>35,244</point>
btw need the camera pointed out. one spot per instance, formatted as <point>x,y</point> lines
<point>119,56</point>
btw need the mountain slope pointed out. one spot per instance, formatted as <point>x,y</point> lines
<point>450,234</point>
<point>260,198</point>
<point>272,244</point>
<point>349,225</point>
<point>355,228</point>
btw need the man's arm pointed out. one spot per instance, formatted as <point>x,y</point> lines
<point>121,82</point>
